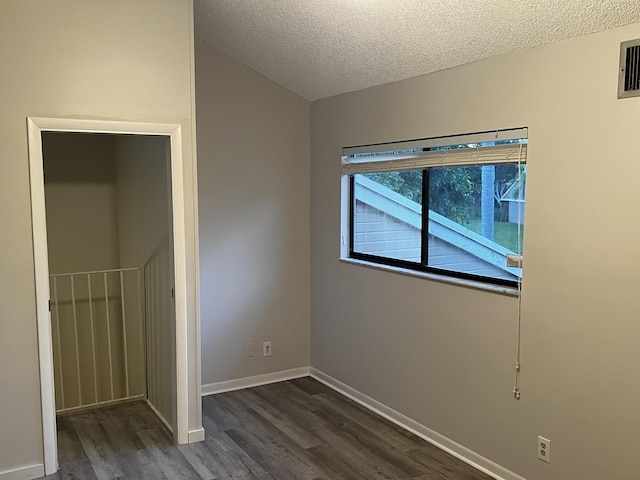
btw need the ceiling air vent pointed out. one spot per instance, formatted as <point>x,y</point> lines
<point>629,82</point>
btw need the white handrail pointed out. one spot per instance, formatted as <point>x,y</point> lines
<point>113,270</point>
<point>124,334</point>
<point>142,332</point>
<point>93,342</point>
<point>75,334</point>
<point>55,298</point>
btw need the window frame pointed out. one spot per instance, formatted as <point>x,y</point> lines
<point>348,225</point>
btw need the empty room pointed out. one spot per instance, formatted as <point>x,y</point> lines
<point>306,240</point>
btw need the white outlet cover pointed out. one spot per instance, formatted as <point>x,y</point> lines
<point>266,349</point>
<point>544,449</point>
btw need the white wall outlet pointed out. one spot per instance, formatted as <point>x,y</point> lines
<point>544,449</point>
<point>266,349</point>
<point>248,350</point>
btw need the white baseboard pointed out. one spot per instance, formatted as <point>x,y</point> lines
<point>159,415</point>
<point>196,435</point>
<point>23,473</point>
<point>462,453</point>
<point>255,381</point>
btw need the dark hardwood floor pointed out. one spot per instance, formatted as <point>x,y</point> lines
<point>295,430</point>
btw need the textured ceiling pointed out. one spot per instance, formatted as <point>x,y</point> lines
<point>320,48</point>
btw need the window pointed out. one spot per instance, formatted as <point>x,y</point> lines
<point>452,206</point>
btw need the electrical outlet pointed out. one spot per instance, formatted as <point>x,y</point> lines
<point>544,449</point>
<point>266,349</point>
<point>248,350</point>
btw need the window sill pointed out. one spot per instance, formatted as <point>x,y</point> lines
<point>487,287</point>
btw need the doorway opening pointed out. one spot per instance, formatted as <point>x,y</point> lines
<point>108,222</point>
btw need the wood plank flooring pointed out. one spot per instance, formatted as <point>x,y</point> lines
<point>295,430</point>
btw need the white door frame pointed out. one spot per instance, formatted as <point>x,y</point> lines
<point>35,127</point>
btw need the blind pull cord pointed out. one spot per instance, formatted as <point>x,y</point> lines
<point>516,388</point>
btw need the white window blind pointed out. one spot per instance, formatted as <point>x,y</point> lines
<point>487,148</point>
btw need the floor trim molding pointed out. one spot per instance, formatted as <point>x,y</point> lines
<point>254,381</point>
<point>196,435</point>
<point>462,453</point>
<point>24,473</point>
<point>167,425</point>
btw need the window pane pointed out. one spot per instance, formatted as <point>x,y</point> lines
<point>475,218</point>
<point>388,215</point>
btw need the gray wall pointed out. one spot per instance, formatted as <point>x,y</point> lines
<point>444,355</point>
<point>144,208</point>
<point>253,176</point>
<point>80,190</point>
<point>76,58</point>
